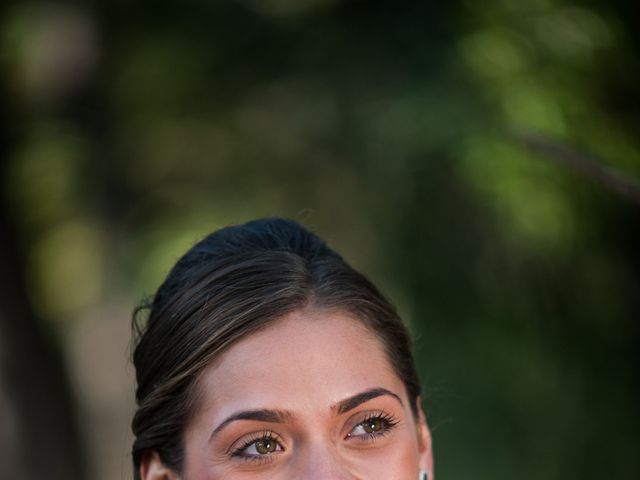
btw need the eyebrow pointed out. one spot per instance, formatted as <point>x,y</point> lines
<point>262,415</point>
<point>280,416</point>
<point>360,398</point>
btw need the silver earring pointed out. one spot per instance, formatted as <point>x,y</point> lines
<point>424,475</point>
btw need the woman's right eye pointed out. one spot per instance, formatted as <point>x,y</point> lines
<point>257,447</point>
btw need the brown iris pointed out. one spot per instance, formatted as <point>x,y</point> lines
<point>266,445</point>
<point>373,425</point>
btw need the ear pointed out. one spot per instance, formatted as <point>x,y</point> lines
<point>152,468</point>
<point>424,441</point>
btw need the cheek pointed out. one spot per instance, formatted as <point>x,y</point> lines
<point>195,464</point>
<point>398,460</point>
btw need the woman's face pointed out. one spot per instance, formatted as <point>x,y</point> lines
<point>311,397</point>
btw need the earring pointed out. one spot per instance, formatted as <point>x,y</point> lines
<point>424,475</point>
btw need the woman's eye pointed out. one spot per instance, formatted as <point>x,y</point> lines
<point>265,446</point>
<point>259,447</point>
<point>372,427</point>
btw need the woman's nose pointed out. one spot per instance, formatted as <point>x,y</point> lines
<point>320,462</point>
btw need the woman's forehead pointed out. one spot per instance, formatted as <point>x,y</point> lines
<point>310,357</point>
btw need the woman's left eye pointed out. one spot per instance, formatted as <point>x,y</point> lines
<point>373,427</point>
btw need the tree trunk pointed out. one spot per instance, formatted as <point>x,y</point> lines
<point>38,435</point>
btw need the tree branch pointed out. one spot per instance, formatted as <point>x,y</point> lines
<point>582,163</point>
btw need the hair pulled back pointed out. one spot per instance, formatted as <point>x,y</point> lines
<point>236,281</point>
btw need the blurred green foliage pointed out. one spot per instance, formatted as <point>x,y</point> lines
<point>385,126</point>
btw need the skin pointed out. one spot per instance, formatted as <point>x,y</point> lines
<point>341,412</point>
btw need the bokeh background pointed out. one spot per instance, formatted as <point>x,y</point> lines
<point>457,152</point>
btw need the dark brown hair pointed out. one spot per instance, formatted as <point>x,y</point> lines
<point>236,281</point>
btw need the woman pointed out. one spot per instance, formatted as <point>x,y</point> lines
<point>266,356</point>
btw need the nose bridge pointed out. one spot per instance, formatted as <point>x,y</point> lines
<point>322,461</point>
